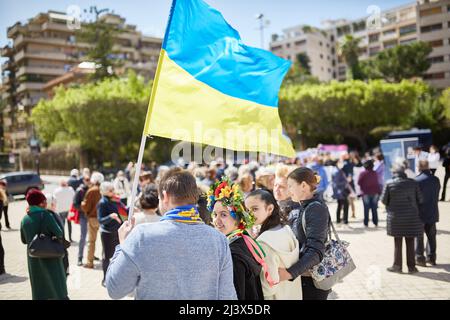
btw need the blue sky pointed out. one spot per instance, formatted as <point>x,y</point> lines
<point>150,16</point>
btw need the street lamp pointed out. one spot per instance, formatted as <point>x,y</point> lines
<point>262,25</point>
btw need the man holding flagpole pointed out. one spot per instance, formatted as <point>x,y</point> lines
<point>179,257</point>
<point>209,88</point>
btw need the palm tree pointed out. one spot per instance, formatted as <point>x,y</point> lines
<point>349,49</point>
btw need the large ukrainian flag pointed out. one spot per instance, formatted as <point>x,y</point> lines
<point>210,88</point>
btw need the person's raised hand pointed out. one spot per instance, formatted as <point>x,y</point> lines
<point>125,229</point>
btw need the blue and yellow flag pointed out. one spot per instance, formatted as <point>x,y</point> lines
<point>210,88</point>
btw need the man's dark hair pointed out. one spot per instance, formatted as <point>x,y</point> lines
<point>180,185</point>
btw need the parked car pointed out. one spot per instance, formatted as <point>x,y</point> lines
<point>18,183</point>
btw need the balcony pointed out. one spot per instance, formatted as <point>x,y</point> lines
<point>30,86</point>
<point>7,65</point>
<point>6,95</point>
<point>55,56</point>
<point>5,80</point>
<point>150,51</point>
<point>41,70</point>
<point>20,40</point>
<point>389,36</point>
<point>55,26</point>
<point>6,51</point>
<point>14,30</point>
<point>442,17</point>
<point>19,135</point>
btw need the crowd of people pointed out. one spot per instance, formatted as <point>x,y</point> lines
<point>223,231</point>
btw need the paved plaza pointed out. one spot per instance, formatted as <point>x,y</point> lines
<point>371,249</point>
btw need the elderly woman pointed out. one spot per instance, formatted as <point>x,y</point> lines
<point>47,276</point>
<point>402,197</point>
<point>110,213</point>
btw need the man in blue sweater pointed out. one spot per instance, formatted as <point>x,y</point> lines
<point>178,258</point>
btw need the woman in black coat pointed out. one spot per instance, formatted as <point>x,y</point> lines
<point>302,183</point>
<point>402,197</point>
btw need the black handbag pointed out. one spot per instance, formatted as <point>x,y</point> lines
<point>45,246</point>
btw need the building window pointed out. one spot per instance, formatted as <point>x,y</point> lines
<point>391,18</point>
<point>334,75</point>
<point>408,41</point>
<point>374,37</point>
<point>430,11</point>
<point>276,48</point>
<point>289,57</point>
<point>434,76</point>
<point>389,32</point>
<point>343,30</point>
<point>408,29</point>
<point>320,43</point>
<point>288,45</point>
<point>390,44</point>
<point>332,38</point>
<point>359,26</point>
<point>301,42</point>
<point>448,8</point>
<point>437,59</point>
<point>333,51</point>
<point>333,63</point>
<point>321,56</point>
<point>373,51</point>
<point>430,28</point>
<point>436,43</point>
<point>342,71</point>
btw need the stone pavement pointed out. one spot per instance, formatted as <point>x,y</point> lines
<point>371,249</point>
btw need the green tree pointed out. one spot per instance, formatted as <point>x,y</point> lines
<point>349,49</point>
<point>347,111</point>
<point>445,101</point>
<point>303,61</point>
<point>399,63</point>
<point>100,35</point>
<point>105,119</point>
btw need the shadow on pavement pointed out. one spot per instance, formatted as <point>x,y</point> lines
<point>441,276</point>
<point>9,278</point>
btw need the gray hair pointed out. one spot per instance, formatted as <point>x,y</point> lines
<point>105,187</point>
<point>97,178</point>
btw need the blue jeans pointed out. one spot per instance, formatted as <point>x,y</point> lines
<point>371,203</point>
<point>83,226</point>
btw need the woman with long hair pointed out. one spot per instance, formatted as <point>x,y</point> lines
<point>278,242</point>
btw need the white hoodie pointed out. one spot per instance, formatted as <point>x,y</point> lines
<point>282,251</point>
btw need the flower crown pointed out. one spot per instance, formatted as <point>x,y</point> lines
<point>231,196</point>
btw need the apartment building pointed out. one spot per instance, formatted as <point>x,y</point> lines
<point>434,28</point>
<point>311,41</point>
<point>45,48</point>
<point>427,21</point>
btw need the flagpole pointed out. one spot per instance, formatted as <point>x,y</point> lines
<point>144,135</point>
<point>147,118</point>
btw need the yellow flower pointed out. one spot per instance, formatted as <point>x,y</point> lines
<point>225,192</point>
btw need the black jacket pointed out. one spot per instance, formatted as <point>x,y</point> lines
<point>74,182</point>
<point>430,186</point>
<point>246,272</point>
<point>313,242</point>
<point>402,197</point>
<point>79,197</point>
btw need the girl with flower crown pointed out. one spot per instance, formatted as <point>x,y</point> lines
<point>226,203</point>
